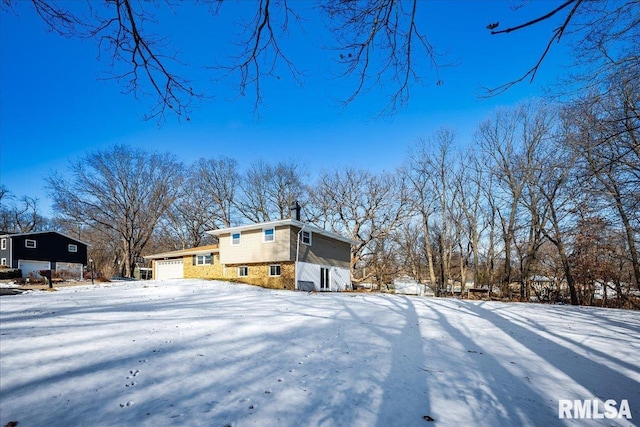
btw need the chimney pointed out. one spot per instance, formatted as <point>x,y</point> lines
<point>295,211</point>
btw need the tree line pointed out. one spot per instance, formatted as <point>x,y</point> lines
<point>541,190</point>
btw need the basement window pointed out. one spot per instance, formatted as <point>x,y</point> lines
<point>243,271</point>
<point>28,243</point>
<point>274,270</point>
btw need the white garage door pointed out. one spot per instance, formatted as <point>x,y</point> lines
<point>69,270</point>
<point>169,269</point>
<point>28,266</point>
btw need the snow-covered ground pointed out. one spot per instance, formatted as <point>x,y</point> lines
<point>203,353</point>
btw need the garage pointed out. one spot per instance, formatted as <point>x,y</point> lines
<point>169,269</point>
<point>69,270</point>
<point>30,266</point>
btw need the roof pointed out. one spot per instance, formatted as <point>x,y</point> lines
<point>31,233</point>
<point>199,250</point>
<point>283,222</point>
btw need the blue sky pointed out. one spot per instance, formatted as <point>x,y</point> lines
<point>54,106</point>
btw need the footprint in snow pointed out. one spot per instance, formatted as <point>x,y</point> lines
<point>124,405</point>
<point>133,373</point>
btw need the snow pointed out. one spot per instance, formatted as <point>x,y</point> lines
<point>206,353</point>
<point>8,285</point>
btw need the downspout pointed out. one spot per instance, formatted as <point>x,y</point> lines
<point>297,255</point>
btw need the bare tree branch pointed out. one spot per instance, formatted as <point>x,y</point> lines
<point>555,37</point>
<point>261,51</point>
<point>380,44</point>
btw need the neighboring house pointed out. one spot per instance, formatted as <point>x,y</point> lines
<point>284,254</point>
<point>46,250</point>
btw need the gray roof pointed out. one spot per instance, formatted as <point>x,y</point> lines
<point>32,233</point>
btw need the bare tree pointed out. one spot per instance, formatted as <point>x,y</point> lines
<point>267,191</point>
<point>469,182</point>
<point>604,132</point>
<point>365,206</point>
<point>19,214</point>
<point>513,140</point>
<point>217,181</point>
<point>122,192</point>
<point>189,217</point>
<point>557,185</point>
<point>409,240</point>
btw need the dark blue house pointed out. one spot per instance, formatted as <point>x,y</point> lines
<point>45,250</point>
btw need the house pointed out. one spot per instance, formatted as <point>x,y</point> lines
<point>46,250</point>
<point>284,254</point>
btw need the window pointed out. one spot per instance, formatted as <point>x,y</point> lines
<point>235,239</point>
<point>306,237</point>
<point>243,271</point>
<point>3,261</point>
<point>324,279</point>
<point>268,235</point>
<point>73,248</point>
<point>3,245</point>
<point>274,270</point>
<point>205,259</point>
<point>28,243</point>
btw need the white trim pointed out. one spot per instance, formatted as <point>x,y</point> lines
<point>27,241</point>
<point>72,248</point>
<point>200,250</point>
<point>3,245</point>
<point>3,261</point>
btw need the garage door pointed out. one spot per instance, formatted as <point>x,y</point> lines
<point>28,266</point>
<point>69,270</point>
<point>169,269</point>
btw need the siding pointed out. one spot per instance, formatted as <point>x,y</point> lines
<point>323,250</point>
<point>50,246</point>
<point>253,250</point>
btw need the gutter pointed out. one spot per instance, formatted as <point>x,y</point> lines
<point>297,256</point>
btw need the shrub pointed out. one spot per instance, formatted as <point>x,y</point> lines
<point>10,273</point>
